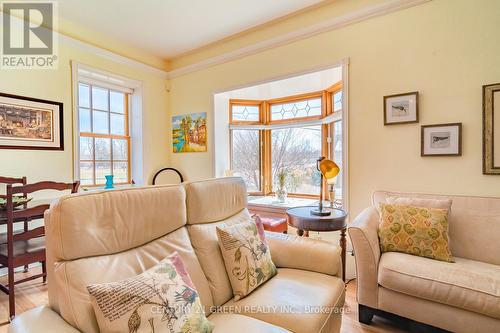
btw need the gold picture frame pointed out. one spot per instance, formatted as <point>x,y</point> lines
<point>491,129</point>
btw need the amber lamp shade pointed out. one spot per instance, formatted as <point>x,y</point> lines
<point>329,169</point>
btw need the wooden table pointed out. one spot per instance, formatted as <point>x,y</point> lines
<point>302,219</point>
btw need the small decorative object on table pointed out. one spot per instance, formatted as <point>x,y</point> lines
<point>281,190</point>
<point>109,182</point>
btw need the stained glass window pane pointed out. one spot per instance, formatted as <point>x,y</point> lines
<point>245,113</point>
<point>305,108</point>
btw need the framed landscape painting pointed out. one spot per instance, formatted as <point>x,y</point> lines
<point>401,108</point>
<point>441,140</point>
<point>189,133</point>
<point>30,123</point>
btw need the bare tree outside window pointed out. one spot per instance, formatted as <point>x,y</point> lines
<point>295,150</point>
<point>246,157</point>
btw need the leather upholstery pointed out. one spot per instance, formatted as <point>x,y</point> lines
<point>103,237</point>
<point>114,221</point>
<point>294,294</point>
<point>204,240</point>
<point>460,297</point>
<point>466,284</point>
<point>73,276</point>
<point>41,319</point>
<point>289,251</point>
<point>229,323</point>
<point>215,199</point>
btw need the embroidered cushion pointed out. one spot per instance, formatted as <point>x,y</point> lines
<point>415,230</point>
<point>162,299</point>
<point>246,256</point>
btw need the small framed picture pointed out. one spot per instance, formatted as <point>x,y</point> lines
<point>401,108</point>
<point>441,140</point>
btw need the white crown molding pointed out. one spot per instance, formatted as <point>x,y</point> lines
<point>112,56</point>
<point>328,25</point>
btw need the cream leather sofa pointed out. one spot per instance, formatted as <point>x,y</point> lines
<point>108,236</point>
<point>461,297</point>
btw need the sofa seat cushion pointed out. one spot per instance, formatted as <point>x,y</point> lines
<point>466,284</point>
<point>298,300</point>
<point>230,323</point>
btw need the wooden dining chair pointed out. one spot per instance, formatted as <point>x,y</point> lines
<point>26,247</point>
<point>12,181</point>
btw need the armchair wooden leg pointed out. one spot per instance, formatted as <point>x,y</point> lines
<point>12,300</point>
<point>44,271</point>
<point>365,314</point>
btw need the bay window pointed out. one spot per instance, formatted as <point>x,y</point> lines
<point>286,134</point>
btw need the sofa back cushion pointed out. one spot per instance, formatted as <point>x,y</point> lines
<point>214,200</point>
<point>204,239</point>
<point>110,236</point>
<point>217,202</point>
<point>474,224</point>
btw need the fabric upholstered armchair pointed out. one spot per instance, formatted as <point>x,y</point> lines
<point>463,296</point>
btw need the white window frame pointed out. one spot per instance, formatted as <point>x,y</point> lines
<point>86,74</point>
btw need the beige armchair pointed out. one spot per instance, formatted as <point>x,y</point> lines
<point>461,297</point>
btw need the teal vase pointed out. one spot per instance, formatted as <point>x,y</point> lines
<point>109,182</point>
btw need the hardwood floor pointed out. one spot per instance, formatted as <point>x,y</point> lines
<point>34,293</point>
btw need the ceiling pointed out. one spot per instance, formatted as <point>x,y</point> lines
<point>168,28</point>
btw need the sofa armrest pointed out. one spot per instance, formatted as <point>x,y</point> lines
<point>363,232</point>
<point>288,251</point>
<point>40,320</point>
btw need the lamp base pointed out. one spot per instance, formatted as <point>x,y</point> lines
<point>320,212</point>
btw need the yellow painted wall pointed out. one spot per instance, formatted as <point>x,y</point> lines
<point>445,49</point>
<point>57,85</point>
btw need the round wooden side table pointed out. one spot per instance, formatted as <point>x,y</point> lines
<point>302,219</point>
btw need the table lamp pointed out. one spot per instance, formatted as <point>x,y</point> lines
<point>328,169</point>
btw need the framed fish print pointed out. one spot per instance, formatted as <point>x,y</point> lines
<point>441,140</point>
<point>401,108</point>
<point>30,123</point>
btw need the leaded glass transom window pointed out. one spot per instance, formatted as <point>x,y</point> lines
<point>299,109</point>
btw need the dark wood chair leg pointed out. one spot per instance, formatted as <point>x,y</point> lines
<point>12,300</point>
<point>365,314</point>
<point>44,271</point>
<point>26,228</point>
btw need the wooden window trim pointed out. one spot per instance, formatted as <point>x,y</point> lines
<point>125,137</point>
<point>244,102</point>
<point>265,134</point>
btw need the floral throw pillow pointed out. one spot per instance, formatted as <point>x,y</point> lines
<point>162,299</point>
<point>246,256</point>
<point>415,230</point>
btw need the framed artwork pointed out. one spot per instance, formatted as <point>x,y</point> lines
<point>30,123</point>
<point>441,140</point>
<point>189,133</point>
<point>401,108</point>
<point>491,129</point>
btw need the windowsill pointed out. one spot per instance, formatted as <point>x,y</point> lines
<point>271,201</point>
